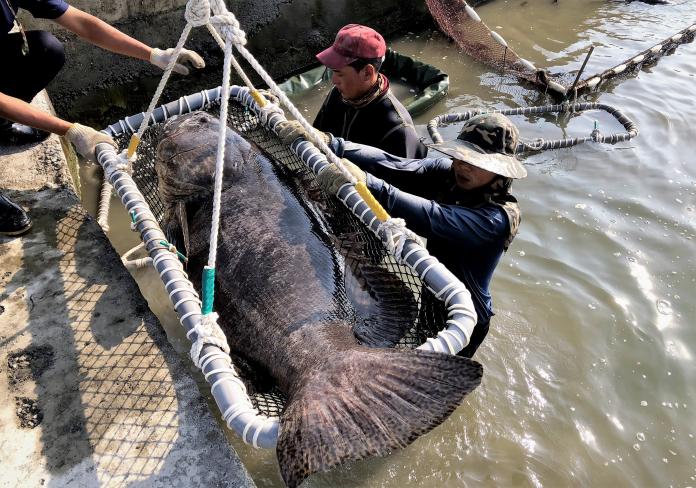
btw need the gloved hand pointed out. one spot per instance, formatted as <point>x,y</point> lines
<point>85,140</point>
<point>290,130</point>
<point>161,58</point>
<point>331,178</point>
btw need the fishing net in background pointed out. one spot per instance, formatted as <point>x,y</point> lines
<point>395,286</point>
<point>460,22</point>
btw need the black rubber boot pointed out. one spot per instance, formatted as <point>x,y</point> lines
<point>14,220</point>
<point>18,134</point>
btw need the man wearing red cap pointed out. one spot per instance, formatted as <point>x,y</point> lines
<point>361,107</point>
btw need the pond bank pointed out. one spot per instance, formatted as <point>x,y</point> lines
<point>91,391</point>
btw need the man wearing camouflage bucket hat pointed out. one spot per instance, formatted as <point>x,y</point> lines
<point>460,203</point>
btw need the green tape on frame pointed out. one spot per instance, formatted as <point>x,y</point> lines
<point>208,286</point>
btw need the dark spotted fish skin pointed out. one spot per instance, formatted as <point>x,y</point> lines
<point>276,282</point>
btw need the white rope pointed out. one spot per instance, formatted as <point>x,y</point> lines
<point>213,31</point>
<point>133,264</point>
<point>104,204</point>
<point>163,81</point>
<point>269,108</point>
<point>229,27</point>
<point>140,263</point>
<point>396,233</point>
<point>220,157</point>
<point>124,164</point>
<point>228,22</point>
<point>207,332</point>
<point>197,12</point>
<point>267,111</point>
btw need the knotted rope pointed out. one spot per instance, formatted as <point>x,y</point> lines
<point>207,332</point>
<point>396,233</point>
<point>197,12</point>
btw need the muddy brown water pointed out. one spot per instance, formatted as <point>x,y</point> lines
<point>589,376</point>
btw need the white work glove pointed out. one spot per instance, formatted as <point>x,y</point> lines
<point>161,58</point>
<point>290,130</point>
<point>331,178</point>
<point>85,140</point>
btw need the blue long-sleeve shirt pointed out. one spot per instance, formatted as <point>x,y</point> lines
<point>469,241</point>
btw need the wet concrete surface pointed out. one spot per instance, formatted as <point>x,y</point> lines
<point>91,391</point>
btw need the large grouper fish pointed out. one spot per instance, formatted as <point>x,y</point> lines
<point>276,289</point>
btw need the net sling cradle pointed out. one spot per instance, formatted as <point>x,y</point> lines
<point>446,315</point>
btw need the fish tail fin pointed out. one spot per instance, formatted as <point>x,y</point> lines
<point>369,402</point>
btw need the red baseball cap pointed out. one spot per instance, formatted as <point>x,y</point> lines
<point>353,42</point>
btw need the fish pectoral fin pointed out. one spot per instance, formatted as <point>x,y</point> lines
<point>386,307</point>
<point>368,402</point>
<point>182,218</point>
<point>175,227</point>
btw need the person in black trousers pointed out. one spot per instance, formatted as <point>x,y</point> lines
<point>32,59</point>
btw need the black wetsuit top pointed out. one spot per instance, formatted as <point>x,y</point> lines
<point>384,123</point>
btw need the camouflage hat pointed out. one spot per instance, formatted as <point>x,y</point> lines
<point>487,141</point>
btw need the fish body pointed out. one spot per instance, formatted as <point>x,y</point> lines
<point>279,285</point>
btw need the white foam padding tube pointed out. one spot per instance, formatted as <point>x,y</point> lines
<point>228,390</point>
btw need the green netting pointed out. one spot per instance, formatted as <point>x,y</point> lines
<point>428,314</point>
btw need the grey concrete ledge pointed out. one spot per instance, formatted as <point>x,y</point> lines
<point>91,391</point>
<point>284,35</point>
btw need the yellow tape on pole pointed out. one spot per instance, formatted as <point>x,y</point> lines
<point>260,100</point>
<point>133,145</point>
<point>371,201</point>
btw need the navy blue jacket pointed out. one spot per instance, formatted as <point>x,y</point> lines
<point>469,241</point>
<point>41,9</point>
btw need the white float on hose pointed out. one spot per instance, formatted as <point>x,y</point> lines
<point>592,82</point>
<point>619,69</point>
<point>499,39</point>
<point>527,64</point>
<point>471,13</point>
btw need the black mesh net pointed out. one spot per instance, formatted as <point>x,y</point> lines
<point>427,315</point>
